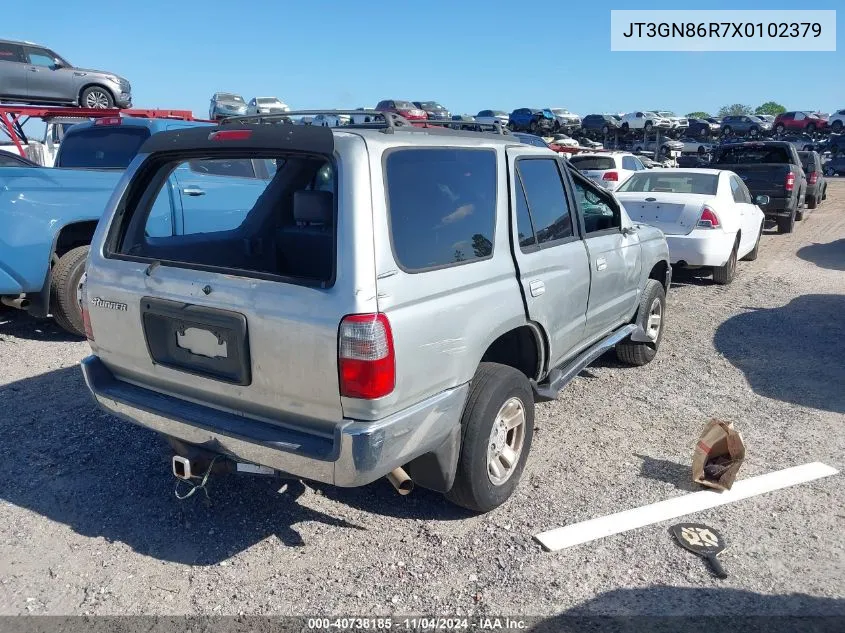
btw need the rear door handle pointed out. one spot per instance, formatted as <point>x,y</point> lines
<point>193,191</point>
<point>601,263</point>
<point>536,287</point>
<point>33,69</point>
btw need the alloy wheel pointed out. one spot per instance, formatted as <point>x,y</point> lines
<point>507,439</point>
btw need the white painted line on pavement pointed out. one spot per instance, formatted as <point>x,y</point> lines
<point>586,531</point>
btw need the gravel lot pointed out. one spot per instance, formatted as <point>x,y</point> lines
<point>89,523</point>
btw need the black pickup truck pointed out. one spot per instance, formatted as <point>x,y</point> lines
<point>769,168</point>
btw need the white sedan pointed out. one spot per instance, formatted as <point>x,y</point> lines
<point>708,216</point>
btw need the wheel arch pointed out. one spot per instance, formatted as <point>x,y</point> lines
<point>67,238</point>
<point>525,348</point>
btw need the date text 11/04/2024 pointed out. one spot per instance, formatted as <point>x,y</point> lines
<point>723,29</point>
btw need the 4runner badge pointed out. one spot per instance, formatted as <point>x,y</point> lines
<point>111,305</point>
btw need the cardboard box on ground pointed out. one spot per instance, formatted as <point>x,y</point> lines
<point>718,455</point>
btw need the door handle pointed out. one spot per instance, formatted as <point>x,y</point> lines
<point>193,191</point>
<point>536,287</point>
<point>33,69</point>
<point>601,263</point>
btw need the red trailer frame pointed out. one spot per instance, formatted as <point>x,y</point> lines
<point>13,118</point>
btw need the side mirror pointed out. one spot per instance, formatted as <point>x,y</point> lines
<point>761,200</point>
<point>57,63</point>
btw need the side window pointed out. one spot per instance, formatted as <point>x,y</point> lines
<point>639,164</point>
<point>239,168</point>
<point>599,211</point>
<point>10,52</point>
<point>745,193</point>
<point>736,189</point>
<point>629,163</point>
<point>441,206</point>
<point>546,197</point>
<point>800,116</point>
<point>40,57</point>
<point>524,228</point>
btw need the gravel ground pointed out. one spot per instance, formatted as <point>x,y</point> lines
<point>89,523</point>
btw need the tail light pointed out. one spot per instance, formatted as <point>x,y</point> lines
<point>814,177</point>
<point>789,184</point>
<point>708,219</point>
<point>109,120</point>
<point>366,360</point>
<point>610,175</point>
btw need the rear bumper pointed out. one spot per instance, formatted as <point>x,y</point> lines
<point>702,247</point>
<point>778,207</point>
<point>360,451</point>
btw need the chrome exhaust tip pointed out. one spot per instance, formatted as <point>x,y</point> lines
<point>401,481</point>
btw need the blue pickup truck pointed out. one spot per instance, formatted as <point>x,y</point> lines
<point>49,214</point>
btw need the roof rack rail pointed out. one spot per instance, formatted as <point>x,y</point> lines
<point>471,126</point>
<point>373,119</point>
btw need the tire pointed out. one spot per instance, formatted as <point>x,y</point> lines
<point>724,275</point>
<point>636,353</point>
<point>702,149</point>
<point>779,128</point>
<point>837,126</point>
<point>625,127</point>
<point>605,130</point>
<point>811,128</point>
<point>812,202</point>
<point>753,132</point>
<point>649,126</point>
<point>752,254</point>
<point>65,278</point>
<point>96,97</point>
<point>726,131</point>
<point>787,225</point>
<point>494,389</point>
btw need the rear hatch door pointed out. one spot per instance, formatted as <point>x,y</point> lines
<point>245,318</point>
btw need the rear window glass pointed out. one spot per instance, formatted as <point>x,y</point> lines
<point>101,148</point>
<point>592,162</point>
<point>280,224</point>
<point>442,206</point>
<point>752,154</point>
<point>672,182</point>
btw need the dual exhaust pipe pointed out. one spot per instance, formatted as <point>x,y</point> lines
<point>185,470</point>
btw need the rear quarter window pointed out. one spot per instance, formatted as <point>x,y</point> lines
<point>109,147</point>
<point>441,206</point>
<point>592,162</point>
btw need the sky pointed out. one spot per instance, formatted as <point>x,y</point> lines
<point>468,55</point>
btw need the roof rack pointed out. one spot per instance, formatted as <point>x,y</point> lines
<point>386,122</point>
<point>471,126</point>
<point>13,118</point>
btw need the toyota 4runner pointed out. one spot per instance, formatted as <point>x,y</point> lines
<point>393,304</point>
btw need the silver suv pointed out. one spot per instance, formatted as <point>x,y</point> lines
<point>34,74</point>
<point>392,303</point>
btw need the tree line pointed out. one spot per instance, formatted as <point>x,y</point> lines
<point>738,109</point>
